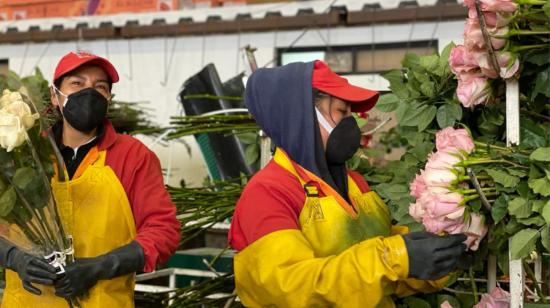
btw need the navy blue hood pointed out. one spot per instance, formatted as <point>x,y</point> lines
<point>280,100</point>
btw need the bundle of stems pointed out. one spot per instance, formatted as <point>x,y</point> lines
<point>200,208</point>
<point>182,126</point>
<point>130,118</point>
<point>215,292</point>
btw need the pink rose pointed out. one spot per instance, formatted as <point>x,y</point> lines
<point>416,211</point>
<point>443,177</point>
<point>473,89</point>
<point>450,139</point>
<point>446,304</point>
<point>473,37</point>
<point>418,186</point>
<point>484,62</point>
<point>440,210</point>
<point>461,60</point>
<point>493,5</point>
<point>440,170</point>
<point>475,229</point>
<point>493,19</point>
<point>498,6</point>
<point>442,203</point>
<point>438,225</point>
<point>497,42</point>
<point>498,298</point>
<point>508,64</point>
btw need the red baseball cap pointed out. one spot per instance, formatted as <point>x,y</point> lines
<point>329,82</point>
<point>74,60</point>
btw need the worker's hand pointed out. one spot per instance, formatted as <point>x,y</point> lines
<point>31,269</point>
<point>84,273</point>
<point>79,277</point>
<point>431,256</point>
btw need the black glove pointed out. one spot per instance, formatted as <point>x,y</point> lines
<point>432,257</point>
<point>31,269</point>
<point>84,273</point>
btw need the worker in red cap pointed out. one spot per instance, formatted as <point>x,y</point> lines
<point>120,215</point>
<point>309,232</point>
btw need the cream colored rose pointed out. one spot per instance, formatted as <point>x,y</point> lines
<point>5,99</point>
<point>12,131</point>
<point>23,111</point>
<point>16,118</point>
<point>9,97</point>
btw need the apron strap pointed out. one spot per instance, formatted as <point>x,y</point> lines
<point>282,159</point>
<point>88,160</point>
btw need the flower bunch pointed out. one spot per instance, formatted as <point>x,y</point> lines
<point>440,193</point>
<point>493,43</point>
<point>16,118</point>
<point>29,216</point>
<point>472,62</point>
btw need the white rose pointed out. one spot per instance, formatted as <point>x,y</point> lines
<point>23,111</point>
<point>15,96</point>
<point>5,99</point>
<point>12,132</point>
<point>9,97</point>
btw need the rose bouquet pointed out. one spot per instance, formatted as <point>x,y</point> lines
<point>497,33</point>
<point>29,211</point>
<point>465,183</point>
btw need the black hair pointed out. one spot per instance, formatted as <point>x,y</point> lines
<point>318,95</point>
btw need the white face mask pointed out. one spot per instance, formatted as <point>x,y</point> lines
<point>324,123</point>
<point>62,94</point>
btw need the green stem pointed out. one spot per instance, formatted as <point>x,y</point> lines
<point>467,163</point>
<point>473,191</point>
<point>520,32</point>
<point>474,286</point>
<point>528,47</point>
<point>479,177</point>
<point>48,236</point>
<point>531,2</point>
<point>534,114</point>
<point>50,232</point>
<point>492,146</point>
<point>32,225</point>
<point>468,199</point>
<point>28,231</point>
<point>531,275</point>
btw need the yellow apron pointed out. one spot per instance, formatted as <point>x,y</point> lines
<point>100,219</point>
<point>304,268</point>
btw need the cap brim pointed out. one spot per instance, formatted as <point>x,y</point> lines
<point>104,64</point>
<point>361,99</point>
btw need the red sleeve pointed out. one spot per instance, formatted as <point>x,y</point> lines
<point>360,181</point>
<point>139,170</point>
<point>272,201</point>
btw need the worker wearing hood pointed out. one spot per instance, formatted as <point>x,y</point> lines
<point>310,233</point>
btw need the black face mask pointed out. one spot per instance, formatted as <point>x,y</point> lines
<point>85,109</point>
<point>343,141</point>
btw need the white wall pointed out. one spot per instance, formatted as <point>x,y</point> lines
<point>154,69</point>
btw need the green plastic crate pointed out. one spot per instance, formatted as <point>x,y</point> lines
<point>193,259</point>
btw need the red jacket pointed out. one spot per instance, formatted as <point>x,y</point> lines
<point>139,172</point>
<point>272,201</point>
